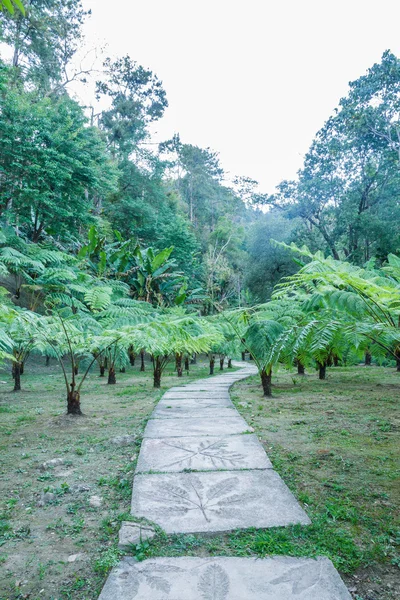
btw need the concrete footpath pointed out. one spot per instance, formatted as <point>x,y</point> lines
<point>201,469</point>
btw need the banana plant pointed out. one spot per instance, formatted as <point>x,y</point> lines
<point>11,5</point>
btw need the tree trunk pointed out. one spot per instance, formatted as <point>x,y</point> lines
<point>251,357</point>
<point>194,359</point>
<point>243,355</point>
<point>335,360</point>
<point>111,376</point>
<point>212,363</point>
<point>221,364</point>
<point>187,368</point>
<point>229,363</point>
<point>266,379</point>
<point>368,359</point>
<point>76,369</point>
<point>131,356</point>
<point>142,361</point>
<point>322,370</point>
<point>74,403</point>
<point>22,367</point>
<point>178,364</point>
<point>122,370</point>
<point>157,373</point>
<point>102,370</point>
<point>17,376</point>
<point>300,368</point>
<point>47,361</point>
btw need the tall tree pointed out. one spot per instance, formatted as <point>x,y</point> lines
<point>44,39</point>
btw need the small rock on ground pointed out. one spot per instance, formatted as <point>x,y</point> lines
<point>74,557</point>
<point>134,533</point>
<point>46,498</point>
<point>95,501</point>
<point>123,440</point>
<point>54,462</point>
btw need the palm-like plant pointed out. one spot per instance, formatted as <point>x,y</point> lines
<point>168,334</point>
<point>22,334</point>
<point>65,334</point>
<point>369,297</point>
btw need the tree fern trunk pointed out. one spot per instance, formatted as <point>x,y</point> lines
<point>178,364</point>
<point>229,363</point>
<point>111,376</point>
<point>187,367</point>
<point>142,361</point>
<point>221,364</point>
<point>322,370</point>
<point>266,380</point>
<point>74,403</point>
<point>17,376</point>
<point>102,370</point>
<point>300,368</point>
<point>368,359</point>
<point>212,363</point>
<point>243,355</point>
<point>131,356</point>
<point>157,373</point>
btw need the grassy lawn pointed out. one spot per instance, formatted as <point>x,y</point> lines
<point>37,541</point>
<point>334,442</point>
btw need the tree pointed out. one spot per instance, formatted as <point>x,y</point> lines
<point>347,191</point>
<point>137,99</point>
<point>22,334</point>
<point>369,297</point>
<point>268,263</point>
<point>44,38</point>
<point>51,175</point>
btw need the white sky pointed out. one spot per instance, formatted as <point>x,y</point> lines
<point>253,80</point>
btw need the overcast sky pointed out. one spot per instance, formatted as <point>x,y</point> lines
<point>251,79</point>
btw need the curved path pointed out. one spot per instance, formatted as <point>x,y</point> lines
<point>201,469</point>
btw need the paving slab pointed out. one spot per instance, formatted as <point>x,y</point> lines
<point>189,402</point>
<point>197,396</point>
<point>187,427</point>
<point>202,454</point>
<point>277,578</point>
<point>193,412</point>
<point>215,501</point>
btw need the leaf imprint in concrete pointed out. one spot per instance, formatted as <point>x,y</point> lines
<point>278,578</point>
<point>202,454</point>
<point>215,501</point>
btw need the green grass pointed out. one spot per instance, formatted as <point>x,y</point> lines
<point>35,541</point>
